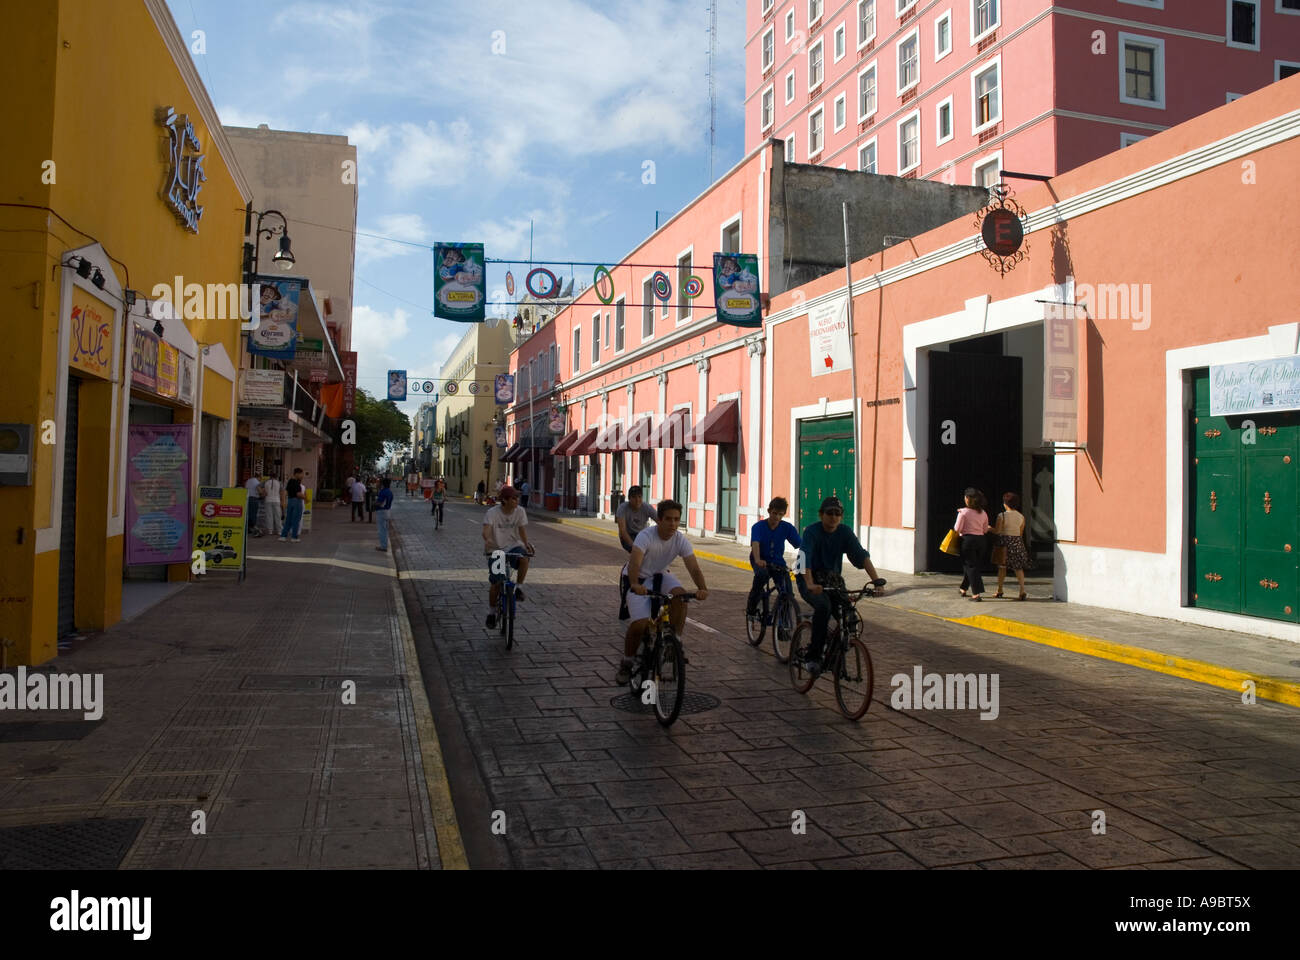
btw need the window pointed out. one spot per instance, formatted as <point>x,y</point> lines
<point>767,109</point>
<point>814,11</point>
<point>1142,69</point>
<point>909,62</point>
<point>1153,4</point>
<point>1288,6</point>
<point>909,143</point>
<point>815,132</point>
<point>984,18</point>
<point>619,325</point>
<point>867,93</point>
<point>866,21</point>
<point>595,340</point>
<point>943,121</point>
<point>988,173</point>
<point>1243,24</point>
<point>841,112</point>
<point>769,48</point>
<point>647,310</point>
<point>731,237</point>
<point>577,349</point>
<point>986,96</point>
<point>902,6</point>
<point>943,35</point>
<point>767,6</point>
<point>1128,139</point>
<point>683,274</point>
<point>532,377</point>
<point>1284,68</point>
<point>555,361</point>
<point>789,87</point>
<point>839,43</point>
<point>867,156</point>
<point>789,25</point>
<point>1234,96</point>
<point>789,149</point>
<point>815,65</point>
<point>608,339</point>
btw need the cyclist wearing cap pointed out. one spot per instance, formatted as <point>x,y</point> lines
<point>767,540</point>
<point>505,527</point>
<point>824,546</point>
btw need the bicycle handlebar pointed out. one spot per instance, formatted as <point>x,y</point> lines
<point>669,596</point>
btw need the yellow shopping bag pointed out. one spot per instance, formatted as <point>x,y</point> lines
<point>950,543</point>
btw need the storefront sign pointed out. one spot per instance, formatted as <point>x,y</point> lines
<point>1060,374</point>
<point>90,334</point>
<point>261,388</point>
<point>185,168</point>
<point>828,338</point>
<point>276,334</point>
<point>185,393</point>
<point>349,363</point>
<point>317,375</point>
<point>277,433</point>
<point>219,526</point>
<point>144,359</point>
<point>158,494</point>
<point>1262,386</point>
<point>735,289</point>
<point>168,370</point>
<point>459,282</point>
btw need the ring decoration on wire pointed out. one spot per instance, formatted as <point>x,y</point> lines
<point>546,293</point>
<point>428,386</point>
<point>510,284</point>
<point>473,386</point>
<point>600,271</point>
<point>663,287</point>
<point>451,387</point>
<point>693,288</point>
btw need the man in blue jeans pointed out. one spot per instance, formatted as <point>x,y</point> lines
<point>295,499</point>
<point>824,547</point>
<point>383,504</point>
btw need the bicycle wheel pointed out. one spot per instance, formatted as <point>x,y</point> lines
<point>755,627</point>
<point>800,678</point>
<point>508,621</point>
<point>669,678</point>
<point>854,679</point>
<point>784,623</point>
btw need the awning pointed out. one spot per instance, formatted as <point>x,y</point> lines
<point>638,437</point>
<point>671,433</point>
<point>585,444</point>
<point>610,440</point>
<point>720,425</point>
<point>559,450</point>
<point>510,454</point>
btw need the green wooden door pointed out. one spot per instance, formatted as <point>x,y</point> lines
<point>826,463</point>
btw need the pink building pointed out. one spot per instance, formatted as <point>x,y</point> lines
<point>955,90</point>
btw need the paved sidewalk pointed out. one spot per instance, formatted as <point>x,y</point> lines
<point>228,699</point>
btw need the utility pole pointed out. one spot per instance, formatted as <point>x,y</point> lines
<point>713,86</point>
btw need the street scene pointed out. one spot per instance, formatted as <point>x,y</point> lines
<point>754,435</point>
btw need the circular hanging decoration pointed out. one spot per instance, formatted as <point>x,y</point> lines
<point>415,386</point>
<point>694,287</point>
<point>428,386</point>
<point>663,287</point>
<point>603,271</point>
<point>510,283</point>
<point>451,387</point>
<point>546,293</point>
<point>473,386</point>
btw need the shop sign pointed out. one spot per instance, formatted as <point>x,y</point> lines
<point>349,363</point>
<point>185,392</point>
<point>317,375</point>
<point>1262,386</point>
<point>1060,374</point>
<point>185,174</point>
<point>90,334</point>
<point>262,388</point>
<point>144,359</point>
<point>277,433</point>
<point>828,338</point>
<point>276,333</point>
<point>158,494</point>
<point>168,370</point>
<point>219,527</point>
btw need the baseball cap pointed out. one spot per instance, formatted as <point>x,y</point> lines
<point>831,503</point>
<point>508,491</point>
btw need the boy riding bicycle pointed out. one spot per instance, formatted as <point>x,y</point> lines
<point>767,540</point>
<point>505,527</point>
<point>824,546</point>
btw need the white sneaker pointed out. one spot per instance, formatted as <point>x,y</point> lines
<point>282,539</point>
<point>294,540</point>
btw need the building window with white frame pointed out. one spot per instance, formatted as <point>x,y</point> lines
<point>769,48</point>
<point>577,349</point>
<point>1128,139</point>
<point>595,340</point>
<point>1283,69</point>
<point>943,36</point>
<point>789,25</point>
<point>985,17</point>
<point>943,121</point>
<point>867,156</point>
<point>839,43</point>
<point>815,65</point>
<point>767,5</point>
<point>815,123</point>
<point>683,274</point>
<point>789,149</point>
<point>767,110</point>
<point>620,321</point>
<point>909,62</point>
<point>867,93</point>
<point>1288,6</point>
<point>814,11</point>
<point>866,21</point>
<point>789,87</point>
<point>1243,24</point>
<point>647,309</point>
<point>909,143</point>
<point>841,112</point>
<point>902,6</point>
<point>986,96</point>
<point>731,237</point>
<point>989,173</point>
<point>1142,68</point>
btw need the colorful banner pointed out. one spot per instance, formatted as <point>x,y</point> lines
<point>169,359</point>
<point>1060,373</point>
<point>1262,386</point>
<point>277,433</point>
<point>261,388</point>
<point>500,435</point>
<point>397,385</point>
<point>186,391</point>
<point>735,289</point>
<point>349,362</point>
<point>459,282</point>
<point>556,421</point>
<point>158,493</point>
<point>277,325</point>
<point>90,334</point>
<point>828,337</point>
<point>219,526</point>
<point>144,359</point>
<point>504,388</point>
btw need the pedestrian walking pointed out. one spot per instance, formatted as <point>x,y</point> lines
<point>524,490</point>
<point>480,491</point>
<point>357,494</point>
<point>272,507</point>
<point>383,503</point>
<point>254,487</point>
<point>1010,532</point>
<point>439,498</point>
<point>372,487</point>
<point>972,525</point>
<point>295,499</point>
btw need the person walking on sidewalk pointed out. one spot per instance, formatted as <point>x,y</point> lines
<point>296,499</point>
<point>271,504</point>
<point>383,504</point>
<point>524,490</point>
<point>972,525</point>
<point>254,487</point>
<point>357,491</point>
<point>480,490</point>
<point>1010,531</point>
<point>505,528</point>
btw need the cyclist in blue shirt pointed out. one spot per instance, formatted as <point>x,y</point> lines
<point>767,540</point>
<point>824,546</point>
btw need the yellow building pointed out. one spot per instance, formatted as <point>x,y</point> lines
<point>467,418</point>
<point>116,181</point>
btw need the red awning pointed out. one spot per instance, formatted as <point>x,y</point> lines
<point>585,444</point>
<point>720,425</point>
<point>510,454</point>
<point>610,440</point>
<point>638,437</point>
<point>561,448</point>
<point>671,433</point>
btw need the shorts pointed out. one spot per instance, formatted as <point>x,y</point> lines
<point>512,555</point>
<point>638,606</point>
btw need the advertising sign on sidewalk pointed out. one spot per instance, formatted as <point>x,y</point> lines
<point>219,518</point>
<point>306,510</point>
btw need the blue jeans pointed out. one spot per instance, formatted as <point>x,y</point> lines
<point>253,504</point>
<point>821,605</point>
<point>381,520</point>
<point>292,518</point>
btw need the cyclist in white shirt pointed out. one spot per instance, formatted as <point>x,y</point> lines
<point>653,550</point>
<point>505,527</point>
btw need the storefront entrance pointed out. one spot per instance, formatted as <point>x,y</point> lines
<point>68,515</point>
<point>826,456</point>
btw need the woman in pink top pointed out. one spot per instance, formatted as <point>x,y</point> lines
<point>972,525</point>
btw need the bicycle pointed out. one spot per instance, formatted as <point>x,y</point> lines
<point>437,513</point>
<point>846,656</point>
<point>783,617</point>
<point>506,597</point>
<point>661,663</point>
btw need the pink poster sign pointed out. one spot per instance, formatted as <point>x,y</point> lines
<point>158,494</point>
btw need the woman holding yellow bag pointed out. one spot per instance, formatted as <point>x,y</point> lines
<point>972,525</point>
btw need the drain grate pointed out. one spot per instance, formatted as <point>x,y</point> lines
<point>28,731</point>
<point>691,703</point>
<point>71,845</point>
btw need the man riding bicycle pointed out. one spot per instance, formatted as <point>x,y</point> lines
<point>505,527</point>
<point>767,540</point>
<point>824,546</point>
<point>439,498</point>
<point>654,549</point>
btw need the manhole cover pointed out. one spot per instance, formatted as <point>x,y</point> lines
<point>691,703</point>
<point>27,731</point>
<point>73,845</point>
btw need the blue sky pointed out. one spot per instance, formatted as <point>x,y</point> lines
<point>470,119</point>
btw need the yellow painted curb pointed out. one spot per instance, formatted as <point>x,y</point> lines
<point>451,849</point>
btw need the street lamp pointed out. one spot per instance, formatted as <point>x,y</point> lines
<point>283,258</point>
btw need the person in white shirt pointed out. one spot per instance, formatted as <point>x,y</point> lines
<point>505,527</point>
<point>254,487</point>
<point>653,551</point>
<point>271,505</point>
<point>357,490</point>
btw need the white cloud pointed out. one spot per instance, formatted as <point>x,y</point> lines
<point>232,116</point>
<point>400,226</point>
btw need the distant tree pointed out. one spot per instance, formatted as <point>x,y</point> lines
<point>381,427</point>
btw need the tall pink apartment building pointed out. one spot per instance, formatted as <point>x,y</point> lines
<point>956,90</point>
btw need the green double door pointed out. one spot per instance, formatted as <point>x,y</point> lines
<point>826,457</point>
<point>1246,512</point>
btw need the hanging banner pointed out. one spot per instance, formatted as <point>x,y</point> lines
<point>168,370</point>
<point>1060,374</point>
<point>219,526</point>
<point>556,421</point>
<point>1263,386</point>
<point>504,388</point>
<point>277,318</point>
<point>397,385</point>
<point>828,337</point>
<point>500,436</point>
<point>459,282</point>
<point>144,359</point>
<point>261,388</point>
<point>185,392</point>
<point>735,289</point>
<point>348,360</point>
<point>158,493</point>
